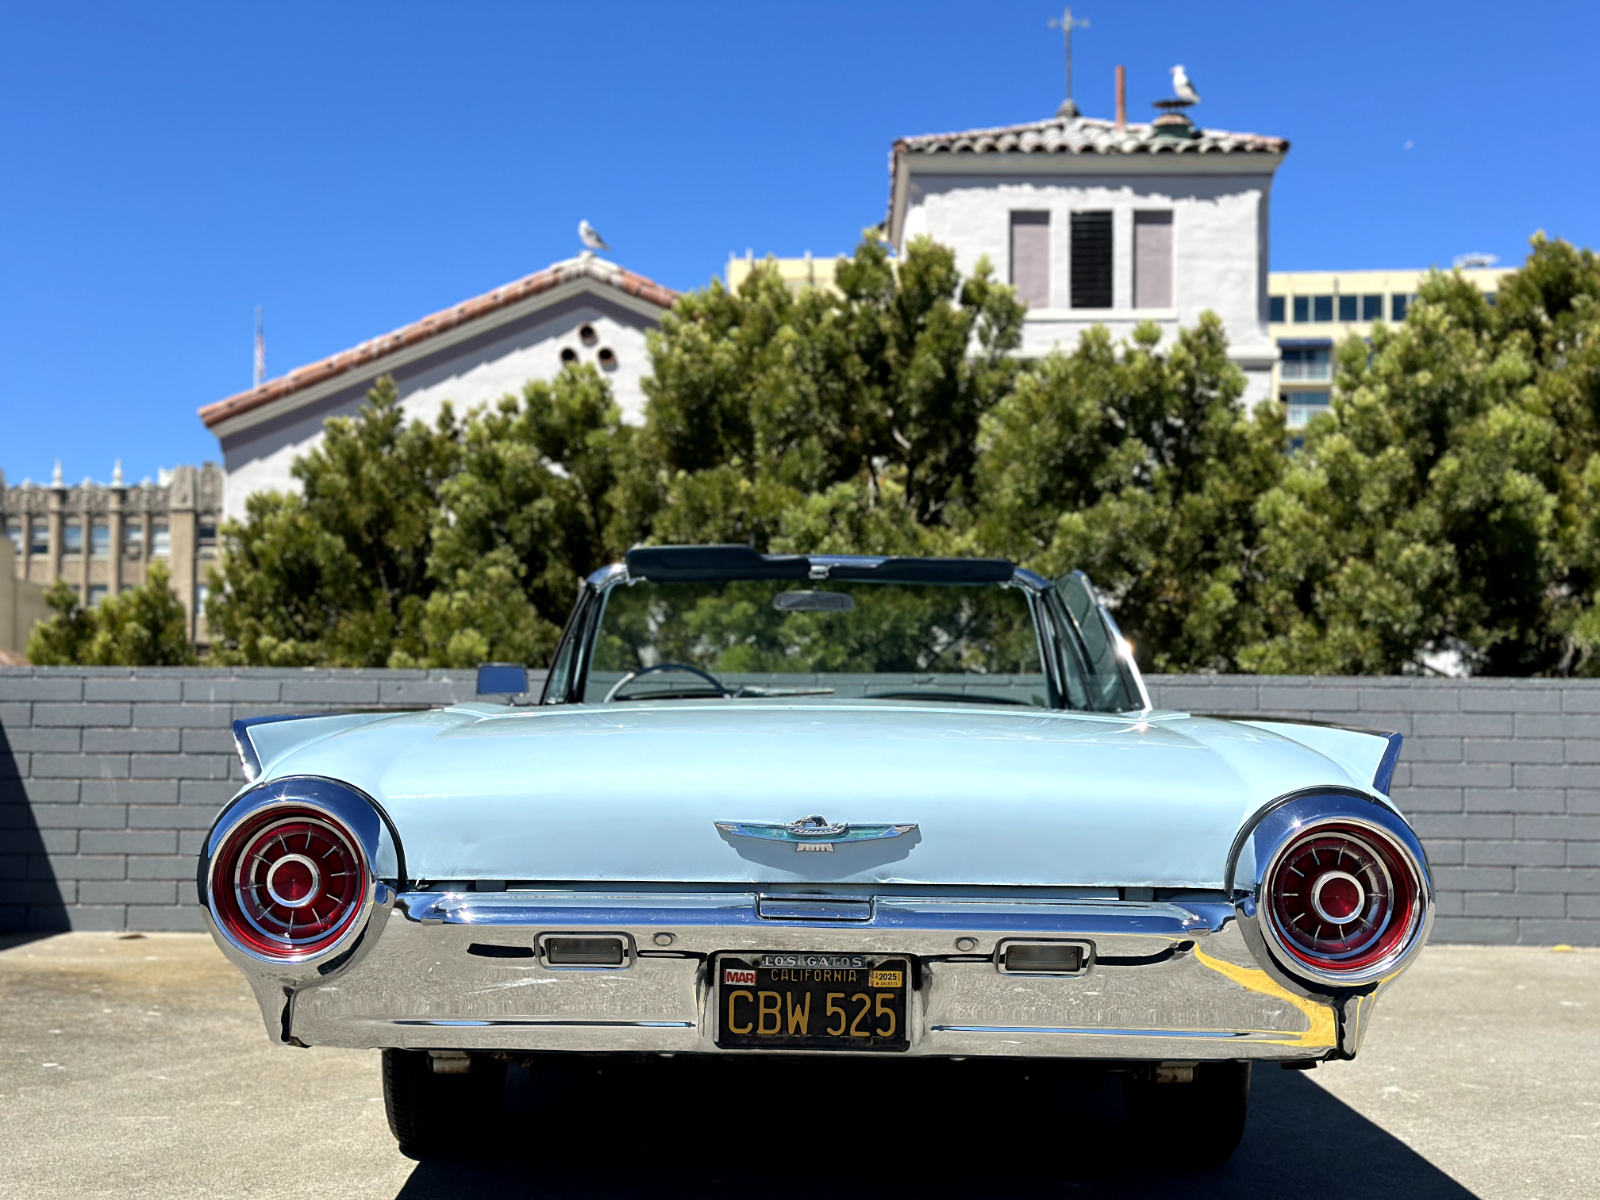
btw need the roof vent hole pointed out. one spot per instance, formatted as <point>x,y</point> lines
<point>587,335</point>
<point>569,356</point>
<point>608,360</point>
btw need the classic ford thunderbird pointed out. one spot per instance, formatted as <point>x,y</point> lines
<point>819,806</point>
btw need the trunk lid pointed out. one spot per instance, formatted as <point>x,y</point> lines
<point>634,792</point>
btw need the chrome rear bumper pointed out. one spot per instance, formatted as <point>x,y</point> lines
<point>1164,981</point>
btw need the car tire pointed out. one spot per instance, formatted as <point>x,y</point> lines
<point>1195,1124</point>
<point>431,1113</point>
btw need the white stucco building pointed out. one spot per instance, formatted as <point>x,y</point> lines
<point>581,310</point>
<point>1098,222</point>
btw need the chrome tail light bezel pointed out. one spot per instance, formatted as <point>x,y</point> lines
<point>1286,823</point>
<point>340,807</point>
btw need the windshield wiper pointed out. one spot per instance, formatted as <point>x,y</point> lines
<point>673,694</point>
<point>947,697</point>
<point>755,691</point>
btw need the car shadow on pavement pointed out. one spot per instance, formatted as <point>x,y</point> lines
<point>935,1130</point>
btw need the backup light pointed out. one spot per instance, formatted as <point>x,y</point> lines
<point>585,951</point>
<point>1042,958</point>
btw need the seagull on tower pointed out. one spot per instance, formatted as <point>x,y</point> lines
<point>1182,87</point>
<point>591,236</point>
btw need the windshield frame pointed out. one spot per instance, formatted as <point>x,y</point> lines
<point>1053,629</point>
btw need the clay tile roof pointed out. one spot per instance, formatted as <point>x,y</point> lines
<point>434,324</point>
<point>1086,135</point>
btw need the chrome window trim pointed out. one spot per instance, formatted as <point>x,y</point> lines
<point>592,593</point>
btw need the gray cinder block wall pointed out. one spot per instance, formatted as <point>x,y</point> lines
<point>110,777</point>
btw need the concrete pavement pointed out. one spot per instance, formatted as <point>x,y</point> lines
<point>139,1067</point>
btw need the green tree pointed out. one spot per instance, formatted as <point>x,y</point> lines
<point>144,626</point>
<point>1137,465</point>
<point>1422,522</point>
<point>337,573</point>
<point>417,545</point>
<point>535,481</point>
<point>791,421</point>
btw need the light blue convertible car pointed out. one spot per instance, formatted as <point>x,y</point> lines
<point>881,808</point>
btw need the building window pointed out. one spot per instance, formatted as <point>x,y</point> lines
<point>1313,363</point>
<point>201,594</point>
<point>1030,257</point>
<point>1152,260</point>
<point>206,535</point>
<point>1372,308</point>
<point>1091,259</point>
<point>1302,310</point>
<point>14,532</point>
<point>1305,405</point>
<point>97,594</point>
<point>1275,310</point>
<point>160,541</point>
<point>1399,305</point>
<point>72,537</point>
<point>1490,299</point>
<point>132,539</point>
<point>39,536</point>
<point>1322,308</point>
<point>99,540</point>
<point>1347,308</point>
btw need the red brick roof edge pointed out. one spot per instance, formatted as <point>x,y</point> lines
<point>432,326</point>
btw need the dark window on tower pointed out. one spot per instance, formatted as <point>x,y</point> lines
<point>1275,309</point>
<point>1322,308</point>
<point>1030,257</point>
<point>1091,260</point>
<point>1372,308</point>
<point>1398,304</point>
<point>1302,309</point>
<point>1347,308</point>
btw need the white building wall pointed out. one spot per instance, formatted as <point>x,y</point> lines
<point>1220,227</point>
<point>257,460</point>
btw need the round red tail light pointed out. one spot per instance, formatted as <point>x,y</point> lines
<point>288,883</point>
<point>1342,898</point>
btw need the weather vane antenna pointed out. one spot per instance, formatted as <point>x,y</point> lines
<point>259,365</point>
<point>1066,22</point>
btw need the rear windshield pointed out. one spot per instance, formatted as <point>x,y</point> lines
<point>752,639</point>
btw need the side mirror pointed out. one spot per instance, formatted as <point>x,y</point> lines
<point>502,679</point>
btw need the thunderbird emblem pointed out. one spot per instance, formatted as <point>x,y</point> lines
<point>813,832</point>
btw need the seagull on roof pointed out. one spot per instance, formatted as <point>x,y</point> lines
<point>1182,86</point>
<point>591,236</point>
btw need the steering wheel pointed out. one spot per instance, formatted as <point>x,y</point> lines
<point>666,666</point>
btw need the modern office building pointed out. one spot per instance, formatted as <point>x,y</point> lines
<point>102,537</point>
<point>1311,312</point>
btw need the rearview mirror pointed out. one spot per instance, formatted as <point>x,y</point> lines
<point>813,602</point>
<point>502,679</point>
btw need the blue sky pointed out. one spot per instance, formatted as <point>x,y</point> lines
<point>352,167</point>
